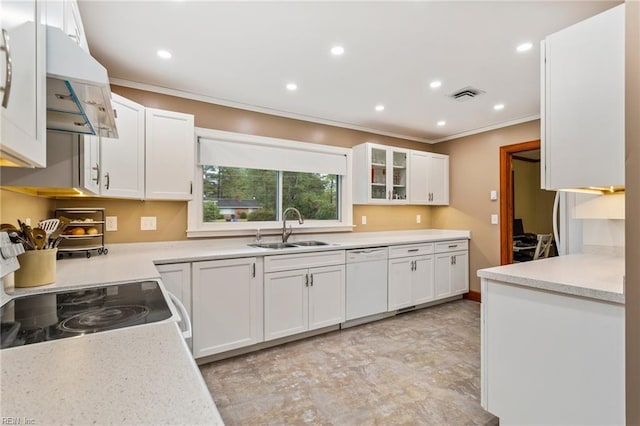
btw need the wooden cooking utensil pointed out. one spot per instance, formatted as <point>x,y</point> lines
<point>39,237</point>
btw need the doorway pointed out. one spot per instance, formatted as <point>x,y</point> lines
<point>521,190</point>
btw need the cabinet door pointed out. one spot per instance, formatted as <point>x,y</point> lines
<point>422,280</point>
<point>460,273</point>
<point>378,160</point>
<point>73,24</point>
<point>123,158</point>
<point>91,172</point>
<point>400,283</point>
<point>583,103</point>
<point>177,279</point>
<point>227,305</point>
<point>23,129</point>
<point>419,191</point>
<point>326,296</point>
<point>438,179</point>
<point>286,303</point>
<point>397,176</point>
<point>442,275</point>
<point>170,163</point>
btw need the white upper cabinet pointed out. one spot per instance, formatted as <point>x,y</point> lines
<point>583,104</point>
<point>429,178</point>
<point>65,14</point>
<point>23,80</point>
<point>380,174</point>
<point>170,161</point>
<point>122,159</point>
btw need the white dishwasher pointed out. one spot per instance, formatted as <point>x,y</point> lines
<point>366,282</point>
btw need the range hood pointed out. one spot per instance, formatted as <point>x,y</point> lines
<point>78,91</point>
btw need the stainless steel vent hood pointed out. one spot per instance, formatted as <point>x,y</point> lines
<point>78,92</point>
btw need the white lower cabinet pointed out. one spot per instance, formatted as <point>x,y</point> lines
<point>410,281</point>
<point>300,300</point>
<point>176,278</point>
<point>227,305</point>
<point>452,274</point>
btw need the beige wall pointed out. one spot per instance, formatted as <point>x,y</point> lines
<point>632,212</point>
<point>532,204</point>
<point>474,172</point>
<point>14,206</point>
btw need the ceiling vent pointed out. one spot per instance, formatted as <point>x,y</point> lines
<point>466,93</point>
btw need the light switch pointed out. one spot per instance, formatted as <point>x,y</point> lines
<point>363,220</point>
<point>418,218</point>
<point>494,195</point>
<point>494,219</point>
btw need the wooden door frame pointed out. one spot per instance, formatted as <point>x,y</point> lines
<point>506,197</point>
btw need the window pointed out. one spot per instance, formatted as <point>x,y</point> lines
<point>247,182</point>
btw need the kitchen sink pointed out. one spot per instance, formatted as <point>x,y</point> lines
<point>274,245</point>
<point>310,243</point>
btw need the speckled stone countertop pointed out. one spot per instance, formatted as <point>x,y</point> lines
<point>592,276</point>
<point>136,261</point>
<point>141,375</point>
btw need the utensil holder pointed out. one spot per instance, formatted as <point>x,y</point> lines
<point>37,267</point>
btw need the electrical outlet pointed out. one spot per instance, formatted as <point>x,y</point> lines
<point>493,195</point>
<point>418,218</point>
<point>111,223</point>
<point>148,223</point>
<point>494,219</point>
<point>27,221</point>
<point>363,220</point>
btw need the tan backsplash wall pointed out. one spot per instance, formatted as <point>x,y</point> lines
<point>474,172</point>
<point>171,218</point>
<point>391,218</point>
<point>14,206</point>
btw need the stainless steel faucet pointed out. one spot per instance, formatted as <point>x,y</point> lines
<point>285,233</point>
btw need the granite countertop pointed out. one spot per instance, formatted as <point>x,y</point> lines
<point>136,261</point>
<point>598,277</point>
<point>136,375</point>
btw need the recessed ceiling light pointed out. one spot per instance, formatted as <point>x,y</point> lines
<point>380,107</point>
<point>524,47</point>
<point>164,54</point>
<point>441,123</point>
<point>435,84</point>
<point>337,50</point>
<point>292,86</point>
<point>498,107</point>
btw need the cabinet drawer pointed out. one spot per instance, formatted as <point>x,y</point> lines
<point>288,262</point>
<point>447,246</point>
<point>410,250</point>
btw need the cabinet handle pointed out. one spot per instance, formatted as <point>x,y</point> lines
<point>8,68</point>
<point>452,259</point>
<point>455,261</point>
<point>412,250</point>
<point>453,245</point>
<point>306,280</point>
<point>389,194</point>
<point>311,284</point>
<point>253,270</point>
<point>97,169</point>
<point>108,182</point>
<point>191,187</point>
<point>415,265</point>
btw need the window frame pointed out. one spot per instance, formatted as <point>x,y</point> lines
<point>198,228</point>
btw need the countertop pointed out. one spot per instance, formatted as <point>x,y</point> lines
<point>136,375</point>
<point>136,261</point>
<point>598,277</point>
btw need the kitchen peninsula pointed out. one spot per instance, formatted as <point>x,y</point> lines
<point>553,341</point>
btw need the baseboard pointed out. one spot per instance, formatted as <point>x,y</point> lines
<point>476,296</point>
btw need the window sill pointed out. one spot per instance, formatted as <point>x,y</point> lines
<point>230,231</point>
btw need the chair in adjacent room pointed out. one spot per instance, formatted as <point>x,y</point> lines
<point>543,247</point>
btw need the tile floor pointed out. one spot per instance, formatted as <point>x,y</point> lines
<point>421,367</point>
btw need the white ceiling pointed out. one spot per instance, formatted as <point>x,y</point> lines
<point>244,53</point>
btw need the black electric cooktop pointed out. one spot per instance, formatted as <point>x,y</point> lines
<point>50,316</point>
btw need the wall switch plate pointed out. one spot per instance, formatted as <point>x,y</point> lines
<point>148,223</point>
<point>111,223</point>
<point>27,221</point>
<point>493,195</point>
<point>363,220</point>
<point>418,218</point>
<point>494,219</point>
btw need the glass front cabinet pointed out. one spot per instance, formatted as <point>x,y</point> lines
<point>380,174</point>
